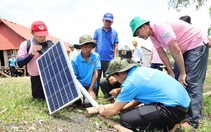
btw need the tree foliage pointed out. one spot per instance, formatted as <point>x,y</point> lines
<point>180,4</point>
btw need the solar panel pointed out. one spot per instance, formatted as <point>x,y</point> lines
<point>57,78</point>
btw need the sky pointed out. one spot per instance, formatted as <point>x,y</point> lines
<point>70,19</point>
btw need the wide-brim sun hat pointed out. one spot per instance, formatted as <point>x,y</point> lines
<point>85,39</point>
<point>119,65</point>
<point>136,23</point>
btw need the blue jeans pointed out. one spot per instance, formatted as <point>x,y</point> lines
<point>196,61</point>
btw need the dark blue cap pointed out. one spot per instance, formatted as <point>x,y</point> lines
<point>108,16</point>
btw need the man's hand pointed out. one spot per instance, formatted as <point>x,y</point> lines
<point>112,80</point>
<point>115,92</point>
<point>182,79</point>
<point>171,74</point>
<point>36,48</point>
<point>101,109</point>
<point>92,94</point>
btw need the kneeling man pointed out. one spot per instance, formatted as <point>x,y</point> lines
<point>165,100</point>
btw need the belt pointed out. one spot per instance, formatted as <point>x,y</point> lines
<point>181,108</point>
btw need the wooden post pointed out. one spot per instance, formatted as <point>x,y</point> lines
<point>92,110</point>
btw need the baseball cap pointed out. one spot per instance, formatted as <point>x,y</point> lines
<point>108,16</point>
<point>39,28</point>
<point>84,40</point>
<point>136,23</point>
<point>119,65</point>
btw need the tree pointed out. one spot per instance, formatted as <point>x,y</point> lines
<point>180,4</point>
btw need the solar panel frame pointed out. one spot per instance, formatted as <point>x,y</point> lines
<point>56,58</point>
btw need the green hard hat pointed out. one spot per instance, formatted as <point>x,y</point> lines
<point>136,23</point>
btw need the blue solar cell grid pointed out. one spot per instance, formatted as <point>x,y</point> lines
<point>56,77</point>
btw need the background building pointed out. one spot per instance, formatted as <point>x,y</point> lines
<point>11,36</point>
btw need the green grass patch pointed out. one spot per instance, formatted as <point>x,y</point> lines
<point>16,103</point>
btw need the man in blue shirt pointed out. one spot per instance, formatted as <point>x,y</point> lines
<point>86,65</point>
<point>107,43</point>
<point>12,65</point>
<point>165,100</point>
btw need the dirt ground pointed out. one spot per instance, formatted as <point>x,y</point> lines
<point>74,121</point>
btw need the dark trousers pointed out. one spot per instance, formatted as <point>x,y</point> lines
<point>37,89</point>
<point>12,71</point>
<point>156,66</point>
<point>196,61</point>
<point>106,87</point>
<point>104,67</point>
<point>150,117</point>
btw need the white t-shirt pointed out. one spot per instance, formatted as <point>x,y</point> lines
<point>137,54</point>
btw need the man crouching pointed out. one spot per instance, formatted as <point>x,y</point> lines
<point>165,99</point>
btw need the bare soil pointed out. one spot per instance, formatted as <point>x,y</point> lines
<point>73,121</point>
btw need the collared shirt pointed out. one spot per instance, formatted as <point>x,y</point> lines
<point>32,65</point>
<point>152,86</point>
<point>105,43</point>
<point>187,36</point>
<point>84,70</point>
<point>155,57</point>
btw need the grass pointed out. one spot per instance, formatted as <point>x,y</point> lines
<point>19,110</point>
<point>16,102</point>
<point>208,75</point>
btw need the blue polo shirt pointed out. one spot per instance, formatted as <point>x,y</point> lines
<point>152,86</point>
<point>105,43</point>
<point>84,70</point>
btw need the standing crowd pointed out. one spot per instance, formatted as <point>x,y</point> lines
<point>166,99</point>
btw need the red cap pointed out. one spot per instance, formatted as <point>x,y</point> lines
<point>39,28</point>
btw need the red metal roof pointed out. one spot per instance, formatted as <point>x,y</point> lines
<point>9,30</point>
